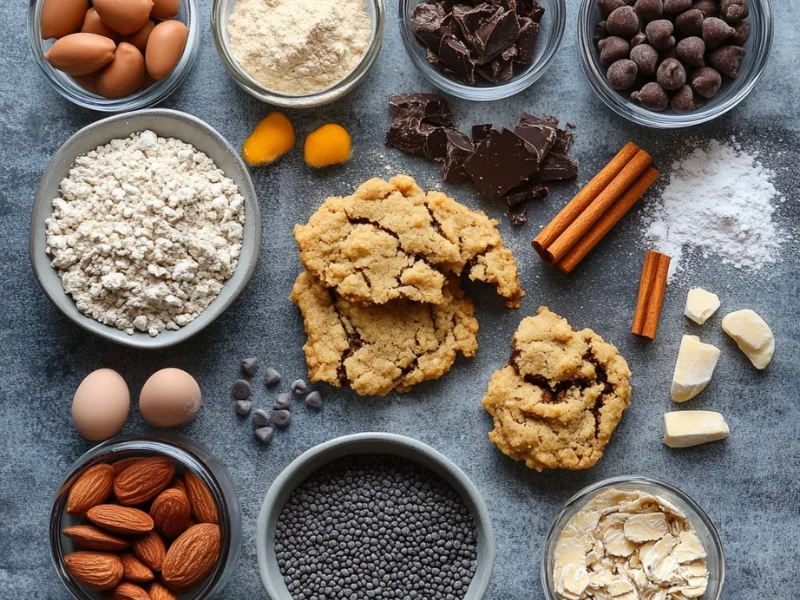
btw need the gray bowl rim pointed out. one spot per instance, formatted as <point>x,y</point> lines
<point>299,467</point>
<point>231,289</point>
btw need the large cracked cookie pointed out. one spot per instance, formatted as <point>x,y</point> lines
<point>560,397</point>
<point>379,348</point>
<point>390,240</point>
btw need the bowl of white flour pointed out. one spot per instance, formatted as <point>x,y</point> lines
<point>145,228</point>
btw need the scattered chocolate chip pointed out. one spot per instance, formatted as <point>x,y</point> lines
<point>261,418</point>
<point>243,407</point>
<point>608,6</point>
<point>479,132</point>
<point>684,101</point>
<point>677,6</point>
<point>706,82</point>
<point>639,38</point>
<point>558,167</point>
<point>691,50</point>
<point>659,34</point>
<point>671,74</point>
<point>517,216</point>
<point>264,434</point>
<point>459,149</point>
<point>623,22</point>
<point>622,74</point>
<point>540,135</point>
<point>649,9</point>
<point>741,35</point>
<point>283,401</point>
<point>652,96</point>
<point>298,387</point>
<point>282,418</point>
<point>271,377</point>
<point>727,60</point>
<point>612,49</point>
<point>734,11</point>
<point>709,8</point>
<point>314,401</point>
<point>433,108</point>
<point>526,41</point>
<point>500,163</point>
<point>241,389</point>
<point>646,59</point>
<point>249,366</point>
<point>690,23</point>
<point>716,31</point>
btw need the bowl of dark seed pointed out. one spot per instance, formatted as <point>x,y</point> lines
<point>374,515</point>
<point>674,63</point>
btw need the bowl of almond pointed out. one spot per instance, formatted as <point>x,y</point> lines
<point>145,517</point>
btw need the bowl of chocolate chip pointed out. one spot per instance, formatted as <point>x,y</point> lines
<point>482,51</point>
<point>674,63</point>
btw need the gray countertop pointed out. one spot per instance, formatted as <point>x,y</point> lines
<point>749,484</point>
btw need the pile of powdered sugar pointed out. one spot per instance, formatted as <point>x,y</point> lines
<point>720,201</point>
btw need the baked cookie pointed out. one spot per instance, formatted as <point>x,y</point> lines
<point>379,348</point>
<point>390,240</point>
<point>560,397</point>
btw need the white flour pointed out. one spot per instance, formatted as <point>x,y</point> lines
<point>299,46</point>
<point>719,201</point>
<point>145,233</point>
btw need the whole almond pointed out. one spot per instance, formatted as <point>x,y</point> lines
<point>150,550</point>
<point>143,480</point>
<point>95,570</point>
<point>204,508</point>
<point>159,592</point>
<point>171,512</point>
<point>177,483</point>
<point>120,519</point>
<point>93,487</point>
<point>135,570</point>
<point>123,464</point>
<point>94,538</point>
<point>129,591</point>
<point>191,557</point>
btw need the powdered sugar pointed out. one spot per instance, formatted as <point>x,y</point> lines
<point>720,201</point>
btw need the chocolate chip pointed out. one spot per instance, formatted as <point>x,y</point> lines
<point>264,434</point>
<point>249,365</point>
<point>426,22</point>
<point>459,149</point>
<point>432,108</point>
<point>691,50</point>
<point>314,401</point>
<point>649,9</point>
<point>639,38</point>
<point>538,133</point>
<point>727,60</point>
<point>261,418</point>
<point>709,8</point>
<point>690,23</point>
<point>282,418</point>
<point>659,34</point>
<point>479,132</point>
<point>742,34</point>
<point>734,11</point>
<point>241,389</point>
<point>646,59</point>
<point>684,101</point>
<point>243,407</point>
<point>600,31</point>
<point>283,401</point>
<point>608,6</point>
<point>612,49</point>
<point>671,74</point>
<point>558,167</point>
<point>716,31</point>
<point>271,377</point>
<point>500,163</point>
<point>455,56</point>
<point>526,42</point>
<point>706,82</point>
<point>677,6</point>
<point>622,74</point>
<point>652,96</point>
<point>298,387</point>
<point>623,22</point>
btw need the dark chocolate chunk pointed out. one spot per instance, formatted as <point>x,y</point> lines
<point>496,34</point>
<point>539,134</point>
<point>479,132</point>
<point>411,135</point>
<point>456,57</point>
<point>499,69</point>
<point>426,21</point>
<point>434,107</point>
<point>564,140</point>
<point>526,41</point>
<point>501,162</point>
<point>518,215</point>
<point>558,167</point>
<point>459,149</point>
<point>525,193</point>
<point>531,9</point>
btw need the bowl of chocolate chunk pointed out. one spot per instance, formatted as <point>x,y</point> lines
<point>482,50</point>
<point>674,63</point>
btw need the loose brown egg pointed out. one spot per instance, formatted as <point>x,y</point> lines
<point>62,17</point>
<point>169,398</point>
<point>81,53</point>
<point>92,23</point>
<point>165,9</point>
<point>165,48</point>
<point>124,16</point>
<point>101,405</point>
<point>124,75</point>
<point>140,38</point>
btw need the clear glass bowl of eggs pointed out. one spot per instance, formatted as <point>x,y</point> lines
<point>114,55</point>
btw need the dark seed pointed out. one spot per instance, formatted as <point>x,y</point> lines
<point>314,400</point>
<point>261,418</point>
<point>652,96</point>
<point>241,389</point>
<point>299,387</point>
<point>282,418</point>
<point>249,365</point>
<point>264,434</point>
<point>671,74</point>
<point>271,377</point>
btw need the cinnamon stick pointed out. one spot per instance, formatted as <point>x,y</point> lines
<point>584,198</point>
<point>651,294</point>
<point>618,210</point>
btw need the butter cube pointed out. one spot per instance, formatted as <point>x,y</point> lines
<point>694,368</point>
<point>752,335</point>
<point>688,428</point>
<point>700,305</point>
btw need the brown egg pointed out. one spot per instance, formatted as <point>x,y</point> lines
<point>92,23</point>
<point>81,53</point>
<point>165,48</point>
<point>124,75</point>
<point>169,398</point>
<point>87,82</point>
<point>139,39</point>
<point>165,9</point>
<point>101,405</point>
<point>62,17</point>
<point>124,16</point>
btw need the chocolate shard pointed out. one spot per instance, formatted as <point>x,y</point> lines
<point>459,149</point>
<point>479,132</point>
<point>540,134</point>
<point>558,167</point>
<point>526,41</point>
<point>500,163</point>
<point>564,141</point>
<point>531,9</point>
<point>410,134</point>
<point>497,70</point>
<point>497,34</point>
<point>525,193</point>
<point>456,57</point>
<point>518,216</point>
<point>426,22</point>
<point>466,21</point>
<point>433,108</point>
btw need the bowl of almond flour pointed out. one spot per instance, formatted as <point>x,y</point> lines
<point>145,228</point>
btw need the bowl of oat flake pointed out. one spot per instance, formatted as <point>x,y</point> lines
<point>145,228</point>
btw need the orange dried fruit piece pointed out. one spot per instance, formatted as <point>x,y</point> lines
<point>272,138</point>
<point>328,145</point>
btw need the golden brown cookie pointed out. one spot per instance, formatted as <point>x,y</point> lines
<point>390,240</point>
<point>560,397</point>
<point>377,349</point>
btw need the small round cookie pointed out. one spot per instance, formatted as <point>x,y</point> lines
<point>377,349</point>
<point>560,397</point>
<point>390,240</point>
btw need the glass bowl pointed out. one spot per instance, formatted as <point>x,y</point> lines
<point>189,456</point>
<point>732,92</point>
<point>159,91</point>
<point>221,10</point>
<point>547,45</point>
<point>699,520</point>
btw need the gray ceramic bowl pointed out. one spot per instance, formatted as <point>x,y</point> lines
<point>368,443</point>
<point>167,123</point>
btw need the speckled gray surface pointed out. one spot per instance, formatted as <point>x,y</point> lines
<point>749,484</point>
